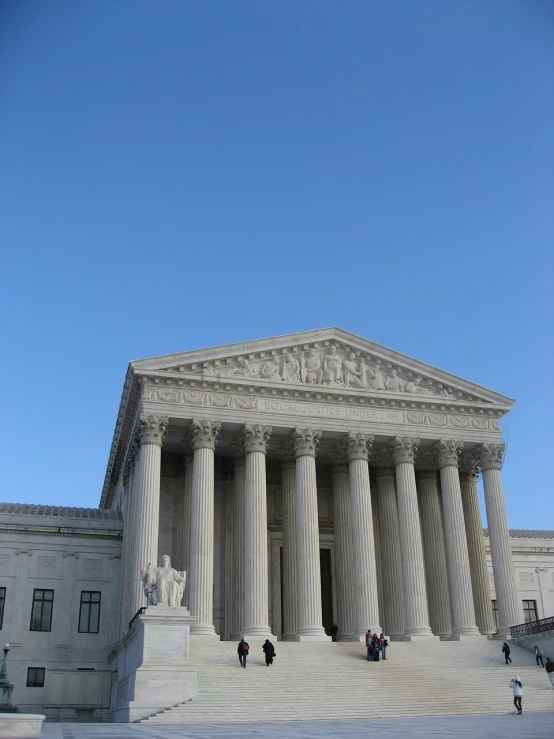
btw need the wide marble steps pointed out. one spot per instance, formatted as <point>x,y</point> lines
<point>317,681</point>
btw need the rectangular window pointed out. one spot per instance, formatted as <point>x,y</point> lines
<point>41,615</point>
<point>35,677</point>
<point>529,611</point>
<point>495,613</point>
<point>2,601</point>
<point>89,613</point>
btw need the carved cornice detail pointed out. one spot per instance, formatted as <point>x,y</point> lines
<point>491,456</point>
<point>358,445</point>
<point>306,441</point>
<point>152,429</point>
<point>448,452</point>
<point>255,437</point>
<point>404,448</point>
<point>204,433</point>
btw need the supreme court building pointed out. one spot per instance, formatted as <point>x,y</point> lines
<point>301,482</point>
<point>310,479</point>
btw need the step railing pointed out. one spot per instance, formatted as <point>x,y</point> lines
<point>532,627</point>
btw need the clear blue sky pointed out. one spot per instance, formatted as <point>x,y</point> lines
<point>176,175</point>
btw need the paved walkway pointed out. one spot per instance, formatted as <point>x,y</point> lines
<point>505,726</point>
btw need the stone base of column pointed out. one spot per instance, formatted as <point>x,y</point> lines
<point>312,635</point>
<point>420,637</point>
<point>361,637</point>
<point>345,637</point>
<point>258,636</point>
<point>288,637</point>
<point>468,637</point>
<point>204,633</point>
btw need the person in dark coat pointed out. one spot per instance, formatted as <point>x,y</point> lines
<point>243,652</point>
<point>269,651</point>
<point>334,632</point>
<point>506,651</point>
<point>549,667</point>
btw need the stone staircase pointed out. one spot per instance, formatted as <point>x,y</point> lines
<point>318,681</point>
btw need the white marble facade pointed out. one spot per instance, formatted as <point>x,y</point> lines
<point>299,481</point>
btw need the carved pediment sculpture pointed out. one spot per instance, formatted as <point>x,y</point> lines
<point>326,358</point>
<point>331,368</point>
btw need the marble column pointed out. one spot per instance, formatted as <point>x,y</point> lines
<point>344,561</point>
<point>411,547</point>
<point>238,544</point>
<point>309,625</point>
<point>469,473</point>
<point>391,556</point>
<point>358,446</point>
<point>147,502</point>
<point>188,460</point>
<point>510,610</point>
<point>204,435</point>
<point>457,556</point>
<point>378,563</point>
<point>288,477</point>
<point>256,589</point>
<point>126,544</point>
<point>436,575</point>
<point>135,586</point>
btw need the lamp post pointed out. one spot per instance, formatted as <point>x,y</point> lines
<point>5,686</point>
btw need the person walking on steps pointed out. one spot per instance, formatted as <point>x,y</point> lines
<point>242,650</point>
<point>539,654</point>
<point>506,650</point>
<point>269,651</point>
<point>549,667</point>
<point>516,686</point>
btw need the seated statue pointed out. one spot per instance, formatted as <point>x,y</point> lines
<point>163,586</point>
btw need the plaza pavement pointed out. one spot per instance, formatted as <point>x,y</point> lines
<point>503,726</point>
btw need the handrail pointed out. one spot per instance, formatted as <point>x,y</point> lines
<point>137,614</point>
<point>533,627</point>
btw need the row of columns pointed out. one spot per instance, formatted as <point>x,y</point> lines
<point>435,583</point>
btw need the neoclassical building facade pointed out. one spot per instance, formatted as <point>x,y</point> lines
<point>230,460</point>
<point>301,482</point>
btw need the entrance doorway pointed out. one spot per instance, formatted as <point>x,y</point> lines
<point>326,590</point>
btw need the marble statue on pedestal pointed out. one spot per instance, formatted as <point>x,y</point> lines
<point>163,585</point>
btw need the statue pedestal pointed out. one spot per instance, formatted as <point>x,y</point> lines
<point>151,661</point>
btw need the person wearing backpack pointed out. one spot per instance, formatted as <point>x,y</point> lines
<point>242,650</point>
<point>506,651</point>
<point>516,686</point>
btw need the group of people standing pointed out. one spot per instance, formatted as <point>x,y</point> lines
<point>516,684</point>
<point>376,646</point>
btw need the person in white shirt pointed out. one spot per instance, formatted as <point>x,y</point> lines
<point>516,686</point>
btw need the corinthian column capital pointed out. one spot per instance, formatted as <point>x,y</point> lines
<point>426,475</point>
<point>448,452</point>
<point>204,433</point>
<point>255,437</point>
<point>469,466</point>
<point>404,448</point>
<point>152,429</point>
<point>358,445</point>
<point>306,442</point>
<point>491,455</point>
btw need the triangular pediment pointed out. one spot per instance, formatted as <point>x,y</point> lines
<point>330,359</point>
